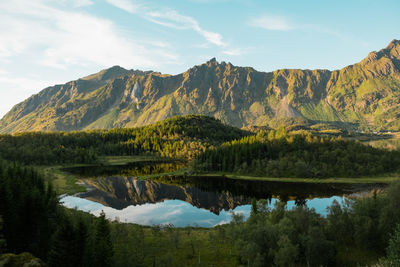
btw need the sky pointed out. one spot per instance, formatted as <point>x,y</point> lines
<point>48,42</point>
<point>180,213</point>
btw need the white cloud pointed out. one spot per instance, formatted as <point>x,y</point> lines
<point>168,18</point>
<point>40,35</point>
<point>126,5</point>
<point>272,23</point>
<point>3,72</point>
<point>233,52</point>
<point>81,3</point>
<point>66,38</point>
<point>171,18</point>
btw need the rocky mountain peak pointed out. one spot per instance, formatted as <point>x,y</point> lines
<point>385,59</point>
<point>365,95</point>
<point>108,74</point>
<point>394,49</point>
<point>394,43</point>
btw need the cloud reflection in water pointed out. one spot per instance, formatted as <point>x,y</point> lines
<point>179,213</point>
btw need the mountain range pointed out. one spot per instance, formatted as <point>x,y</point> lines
<point>363,96</point>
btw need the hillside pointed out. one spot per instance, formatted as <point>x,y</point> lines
<point>179,137</point>
<point>364,96</point>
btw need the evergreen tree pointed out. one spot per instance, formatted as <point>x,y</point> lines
<point>393,250</point>
<point>63,250</point>
<point>103,247</point>
<point>80,243</point>
<point>2,240</point>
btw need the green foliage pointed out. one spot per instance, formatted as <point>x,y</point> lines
<point>29,209</point>
<point>276,154</point>
<point>287,253</point>
<point>301,237</point>
<point>63,248</point>
<point>393,250</point>
<point>182,137</point>
<point>33,221</point>
<point>36,223</point>
<point>2,240</point>
<point>319,250</point>
<point>103,247</point>
<point>22,259</point>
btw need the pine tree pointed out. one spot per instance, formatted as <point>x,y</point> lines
<point>103,251</point>
<point>81,238</point>
<point>2,240</point>
<point>62,251</point>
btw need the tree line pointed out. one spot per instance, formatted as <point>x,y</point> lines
<point>358,231</point>
<point>180,137</point>
<point>277,154</point>
<point>32,220</point>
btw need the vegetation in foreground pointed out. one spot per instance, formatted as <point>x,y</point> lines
<point>360,232</point>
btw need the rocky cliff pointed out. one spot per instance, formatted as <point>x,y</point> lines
<point>365,95</point>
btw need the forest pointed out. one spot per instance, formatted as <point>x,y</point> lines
<point>361,231</point>
<point>177,137</point>
<point>32,220</point>
<point>280,154</point>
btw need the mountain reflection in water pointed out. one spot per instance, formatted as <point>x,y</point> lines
<point>180,200</point>
<point>212,193</point>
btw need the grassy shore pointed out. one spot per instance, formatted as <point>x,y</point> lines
<point>122,160</point>
<point>385,179</point>
<point>66,183</point>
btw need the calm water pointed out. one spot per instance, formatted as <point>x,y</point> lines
<point>195,201</point>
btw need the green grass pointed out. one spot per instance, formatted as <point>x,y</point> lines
<point>63,182</point>
<point>386,179</point>
<point>66,183</point>
<point>174,173</point>
<point>122,160</point>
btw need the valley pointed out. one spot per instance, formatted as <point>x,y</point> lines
<point>125,175</point>
<point>196,133</point>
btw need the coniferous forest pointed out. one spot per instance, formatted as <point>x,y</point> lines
<point>178,137</point>
<point>33,221</point>
<point>297,156</point>
<point>34,226</point>
<point>215,133</point>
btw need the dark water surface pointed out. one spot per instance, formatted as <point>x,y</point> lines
<point>181,201</point>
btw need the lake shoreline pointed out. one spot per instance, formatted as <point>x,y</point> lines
<point>390,178</point>
<point>68,183</point>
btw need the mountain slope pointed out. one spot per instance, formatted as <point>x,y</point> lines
<point>365,95</point>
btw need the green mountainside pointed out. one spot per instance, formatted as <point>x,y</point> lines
<point>181,137</point>
<point>363,96</point>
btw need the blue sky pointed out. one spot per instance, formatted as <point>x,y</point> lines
<point>45,42</point>
<point>180,213</point>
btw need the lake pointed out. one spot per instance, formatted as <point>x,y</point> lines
<point>194,201</point>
